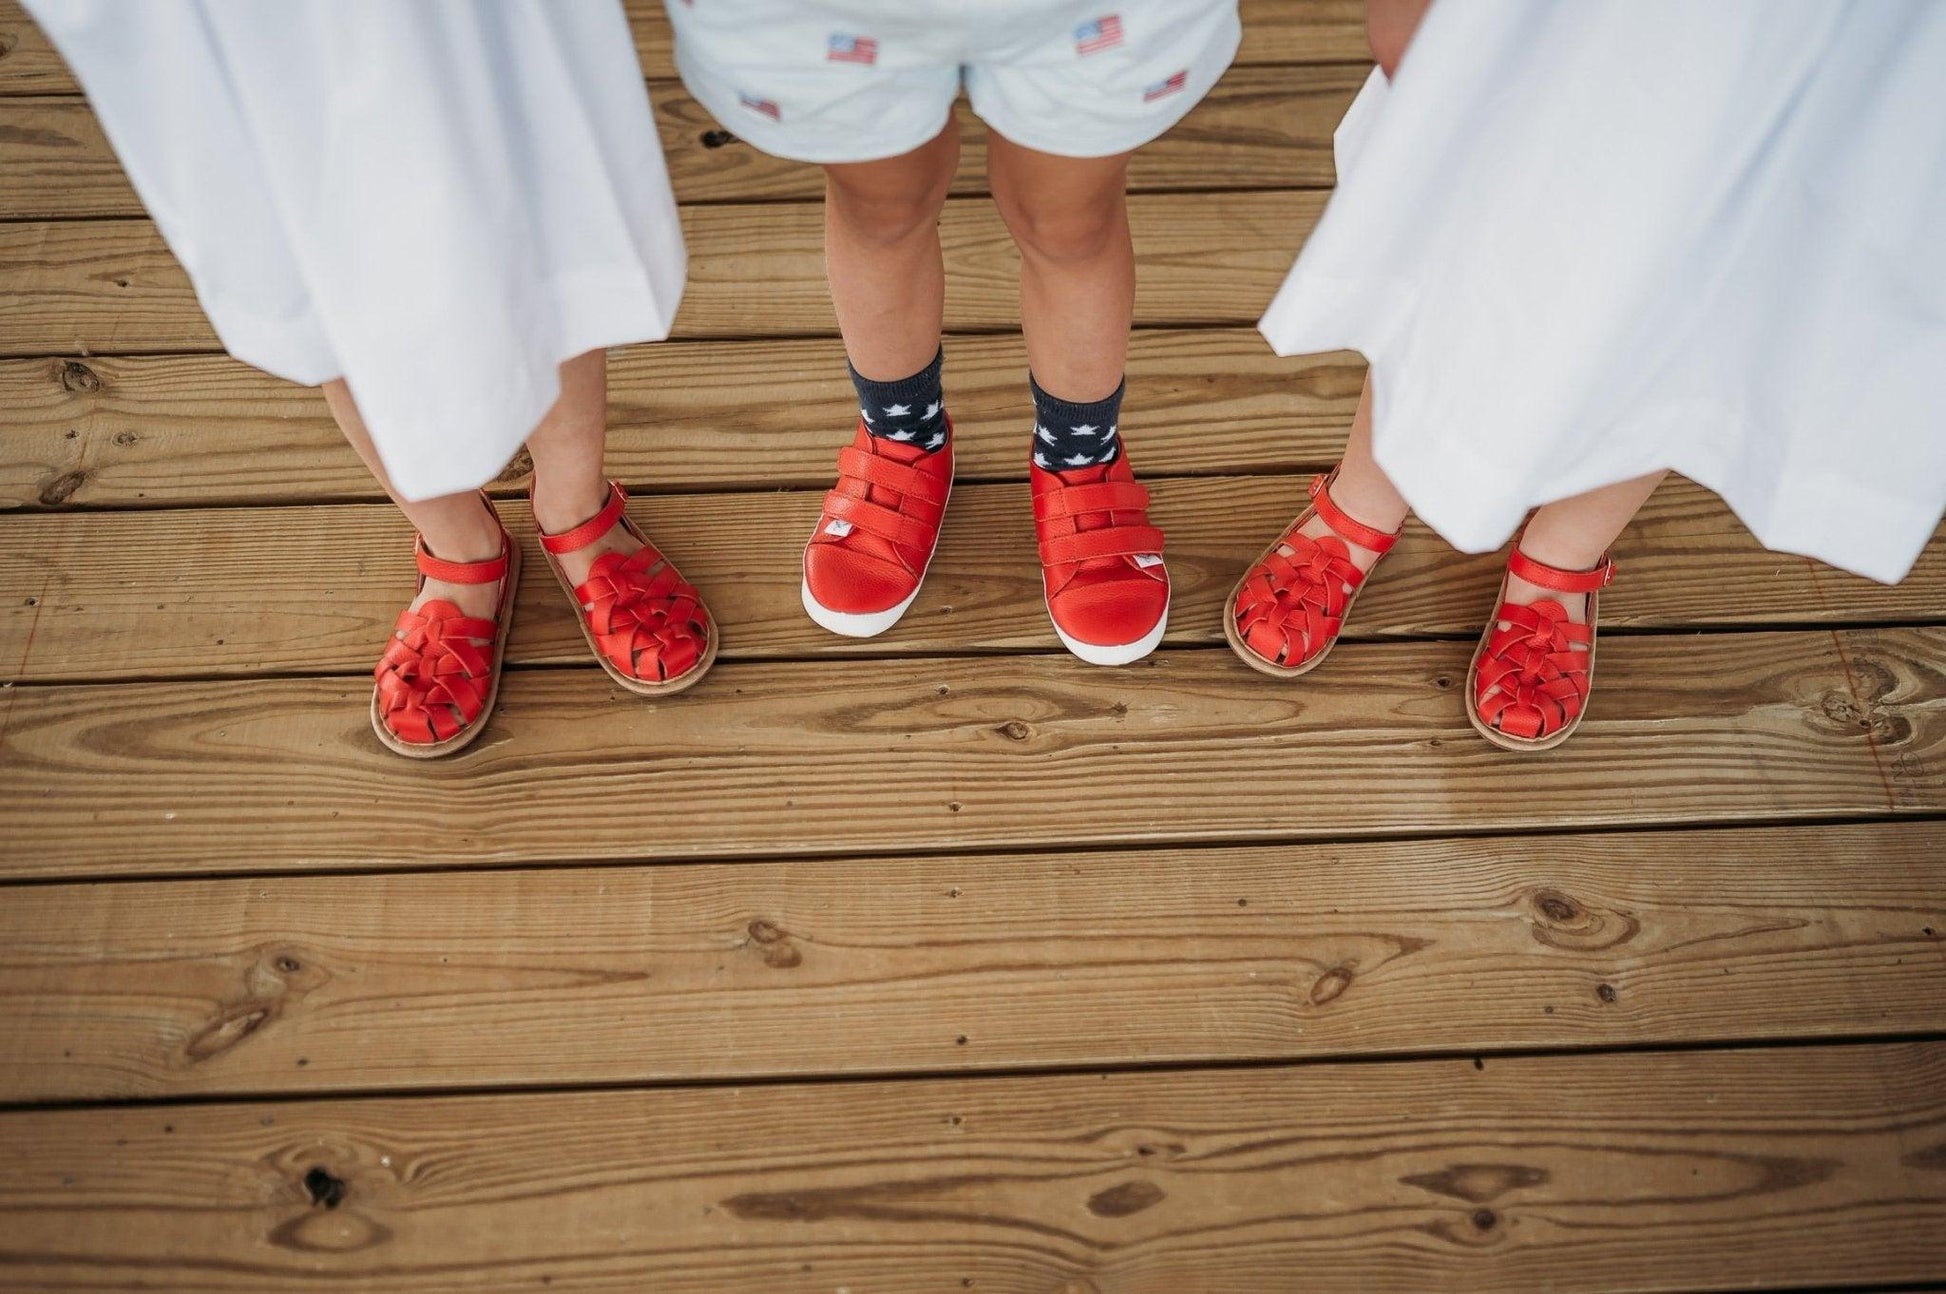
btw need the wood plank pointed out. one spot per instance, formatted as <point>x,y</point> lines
<point>95,596</point>
<point>505,978</point>
<point>1261,128</point>
<point>176,429</point>
<point>768,759</point>
<point>754,271</point>
<point>1274,31</point>
<point>1656,1171</point>
<point>28,63</point>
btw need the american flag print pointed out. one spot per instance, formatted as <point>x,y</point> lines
<point>1162,89</point>
<point>851,49</point>
<point>766,106</point>
<point>1094,37</point>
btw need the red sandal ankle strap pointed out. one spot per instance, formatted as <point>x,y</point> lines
<point>1560,581</point>
<point>1343,524</point>
<point>569,541</point>
<point>490,571</point>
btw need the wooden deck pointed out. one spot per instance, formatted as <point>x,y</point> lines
<point>1165,979</point>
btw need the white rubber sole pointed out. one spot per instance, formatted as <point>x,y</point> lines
<point>854,624</point>
<point>1122,654</point>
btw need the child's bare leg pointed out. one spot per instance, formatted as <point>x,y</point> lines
<point>1361,489</point>
<point>1573,535</point>
<point>1389,25</point>
<point>570,485</point>
<point>882,255</point>
<point>1069,217</point>
<point>456,527</point>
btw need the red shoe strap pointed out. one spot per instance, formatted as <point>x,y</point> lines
<point>1378,541</point>
<point>489,571</point>
<point>1101,496</point>
<point>569,541</point>
<point>877,519</point>
<point>1111,541</point>
<point>859,465</point>
<point>1553,577</point>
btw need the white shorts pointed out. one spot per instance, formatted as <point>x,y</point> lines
<point>859,80</point>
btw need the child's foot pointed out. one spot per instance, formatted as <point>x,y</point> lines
<point>875,538</point>
<point>436,682</point>
<point>1287,611</point>
<point>646,625</point>
<point>1529,683</point>
<point>1101,561</point>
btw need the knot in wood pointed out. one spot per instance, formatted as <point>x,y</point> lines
<point>73,375</point>
<point>62,488</point>
<point>324,1189</point>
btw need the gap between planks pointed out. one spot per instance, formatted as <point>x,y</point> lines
<point>685,417</point>
<point>94,596</point>
<point>111,286</point>
<point>517,978</point>
<point>1260,128</point>
<point>769,758</point>
<point>1647,1170</point>
<point>1295,32</point>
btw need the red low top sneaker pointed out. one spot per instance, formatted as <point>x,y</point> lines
<point>876,536</point>
<point>1101,561</point>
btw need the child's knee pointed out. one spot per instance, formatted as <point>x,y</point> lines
<point>1063,231</point>
<point>883,215</point>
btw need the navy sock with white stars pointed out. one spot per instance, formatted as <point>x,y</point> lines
<point>911,410</point>
<point>1069,436</point>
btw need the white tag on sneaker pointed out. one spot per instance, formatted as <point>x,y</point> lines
<point>839,529</point>
<point>1146,560</point>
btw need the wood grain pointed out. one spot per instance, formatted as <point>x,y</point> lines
<point>1260,128</point>
<point>91,595</point>
<point>1274,31</point>
<point>1655,1171</point>
<point>506,978</point>
<point>775,759</point>
<point>754,271</point>
<point>198,429</point>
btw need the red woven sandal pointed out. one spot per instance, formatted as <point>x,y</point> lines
<point>436,683</point>
<point>645,624</point>
<point>1287,611</point>
<point>1528,685</point>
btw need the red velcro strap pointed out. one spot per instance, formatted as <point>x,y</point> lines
<point>858,464</point>
<point>569,541</point>
<point>1553,577</point>
<point>487,572</point>
<point>877,519</point>
<point>1101,496</point>
<point>1357,532</point>
<point>1113,541</point>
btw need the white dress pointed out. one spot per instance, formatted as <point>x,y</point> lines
<point>437,200</point>
<point>1580,242</point>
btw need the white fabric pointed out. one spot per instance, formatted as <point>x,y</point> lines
<point>1580,242</point>
<point>793,78</point>
<point>437,200</point>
